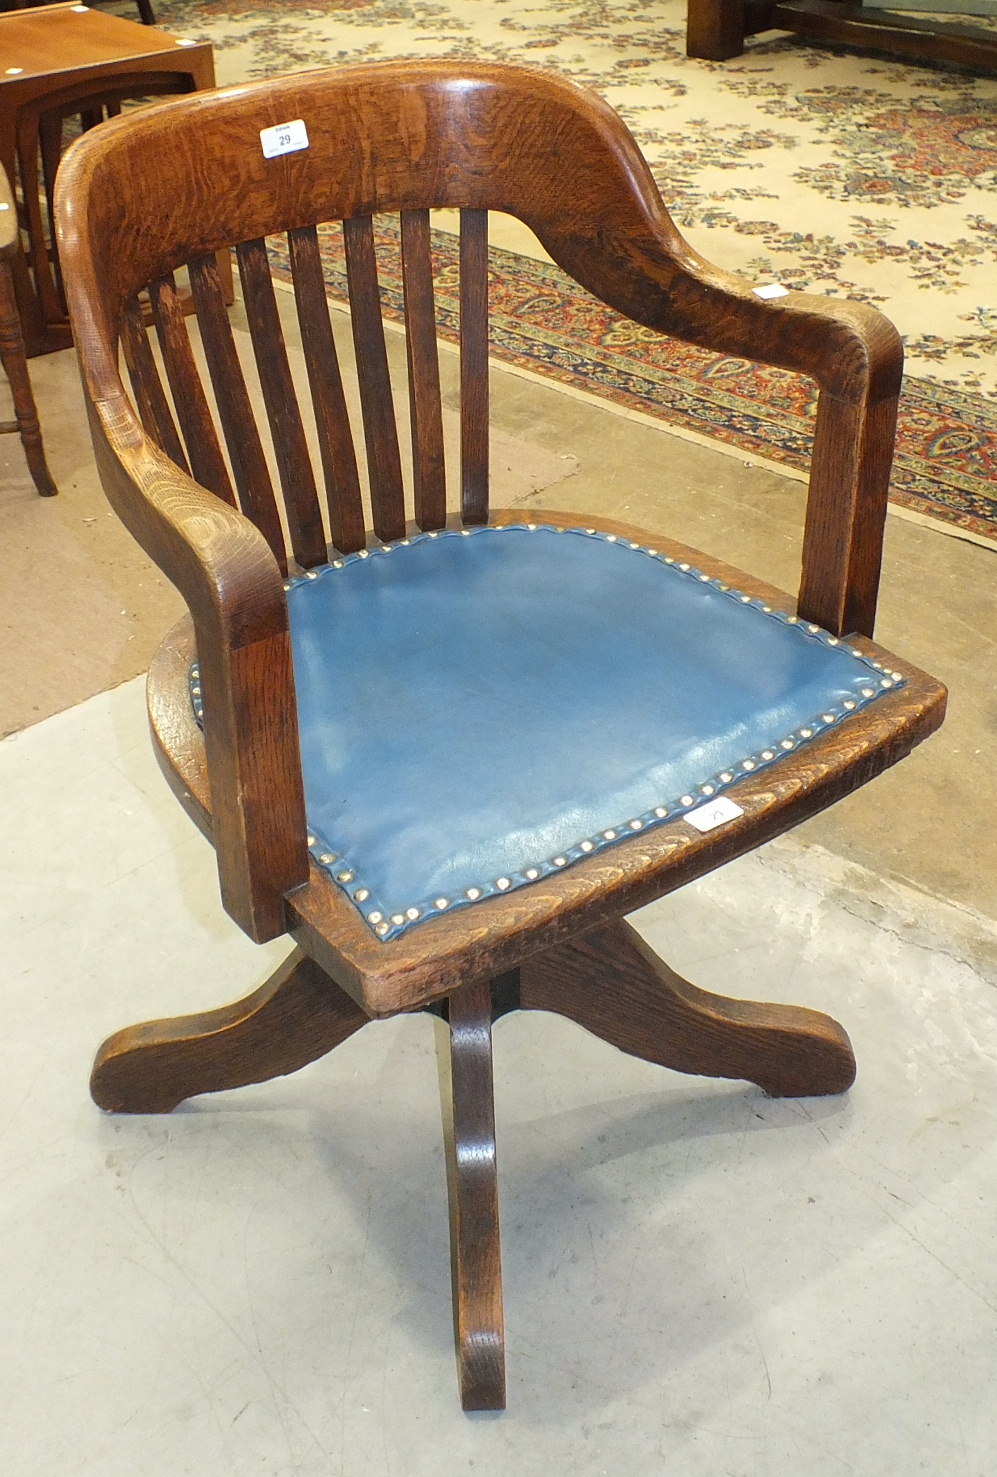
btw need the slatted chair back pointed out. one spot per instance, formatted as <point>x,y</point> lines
<point>148,197</point>
<point>225,452</point>
<point>404,139</point>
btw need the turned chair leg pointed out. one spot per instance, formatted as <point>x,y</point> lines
<point>15,365</point>
<point>612,983</point>
<point>465,1055</point>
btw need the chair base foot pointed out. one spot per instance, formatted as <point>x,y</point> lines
<point>298,1015</point>
<point>612,983</point>
<point>464,1053</point>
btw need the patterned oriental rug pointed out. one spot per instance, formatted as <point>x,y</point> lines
<point>823,168</point>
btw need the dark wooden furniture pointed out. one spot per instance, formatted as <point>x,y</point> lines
<point>175,184</point>
<point>715,30</point>
<point>145,10</point>
<point>62,61</point>
<point>12,354</point>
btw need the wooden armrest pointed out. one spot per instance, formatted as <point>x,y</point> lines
<point>225,571</point>
<point>856,356</point>
<point>852,351</point>
<point>622,245</point>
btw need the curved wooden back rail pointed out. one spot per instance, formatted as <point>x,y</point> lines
<point>402,138</point>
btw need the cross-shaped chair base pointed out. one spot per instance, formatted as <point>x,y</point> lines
<point>607,980</point>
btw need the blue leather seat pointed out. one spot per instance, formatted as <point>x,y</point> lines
<point>481,708</point>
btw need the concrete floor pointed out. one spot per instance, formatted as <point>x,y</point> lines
<point>699,1280</point>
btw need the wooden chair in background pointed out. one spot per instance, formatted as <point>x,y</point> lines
<point>41,130</point>
<point>12,353</point>
<point>497,738</point>
<point>71,64</point>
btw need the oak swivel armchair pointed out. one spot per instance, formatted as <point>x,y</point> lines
<point>444,749</point>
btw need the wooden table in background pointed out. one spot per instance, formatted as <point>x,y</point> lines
<point>70,57</point>
<point>715,30</point>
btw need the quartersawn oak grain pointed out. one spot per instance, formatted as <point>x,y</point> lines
<point>409,137</point>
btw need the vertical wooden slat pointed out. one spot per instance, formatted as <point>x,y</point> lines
<point>384,468</point>
<point>52,306</point>
<point>206,461</point>
<point>242,435</point>
<point>339,462</point>
<point>50,144</point>
<point>297,478</point>
<point>428,471</point>
<point>150,397</point>
<point>474,365</point>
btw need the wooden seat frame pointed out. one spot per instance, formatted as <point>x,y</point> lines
<point>406,137</point>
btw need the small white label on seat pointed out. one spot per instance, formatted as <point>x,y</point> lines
<point>771,289</point>
<point>285,138</point>
<point>717,813</point>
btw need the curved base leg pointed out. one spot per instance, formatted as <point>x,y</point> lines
<point>296,1017</point>
<point>612,983</point>
<point>465,1057</point>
